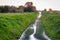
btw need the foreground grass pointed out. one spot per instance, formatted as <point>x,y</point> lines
<point>51,24</point>
<point>12,25</point>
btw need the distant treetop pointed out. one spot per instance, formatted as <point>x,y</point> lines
<point>28,4</point>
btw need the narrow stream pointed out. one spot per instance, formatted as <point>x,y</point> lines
<point>31,34</point>
<point>31,37</point>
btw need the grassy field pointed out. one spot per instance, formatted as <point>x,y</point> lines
<point>51,24</point>
<point>12,25</point>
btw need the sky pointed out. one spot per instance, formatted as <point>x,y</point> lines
<point>40,4</point>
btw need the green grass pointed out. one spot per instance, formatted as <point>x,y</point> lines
<point>51,24</point>
<point>12,25</point>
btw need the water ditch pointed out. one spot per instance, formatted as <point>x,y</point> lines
<point>30,32</point>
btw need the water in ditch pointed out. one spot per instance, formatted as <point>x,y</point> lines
<point>29,33</point>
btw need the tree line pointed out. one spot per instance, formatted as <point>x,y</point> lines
<point>28,7</point>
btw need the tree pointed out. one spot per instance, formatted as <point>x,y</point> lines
<point>29,7</point>
<point>1,8</point>
<point>45,9</point>
<point>50,9</point>
<point>27,4</point>
<point>6,9</point>
<point>12,9</point>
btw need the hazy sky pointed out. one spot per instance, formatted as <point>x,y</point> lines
<point>40,4</point>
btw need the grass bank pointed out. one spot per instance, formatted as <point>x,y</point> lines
<point>51,24</point>
<point>12,25</point>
